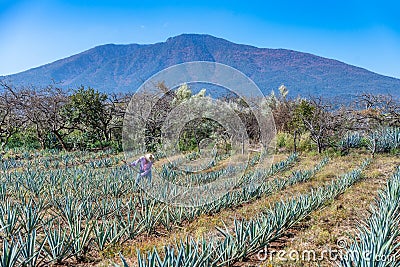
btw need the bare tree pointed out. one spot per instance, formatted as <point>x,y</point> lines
<point>42,109</point>
<point>374,111</point>
<point>323,121</point>
<point>116,106</point>
<point>12,119</point>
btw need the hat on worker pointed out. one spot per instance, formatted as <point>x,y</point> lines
<point>149,157</point>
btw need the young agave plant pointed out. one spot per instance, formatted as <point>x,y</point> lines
<point>67,207</point>
<point>30,249</point>
<point>351,140</point>
<point>150,214</point>
<point>80,237</point>
<point>10,254</point>
<point>58,243</point>
<point>189,253</point>
<point>106,207</point>
<point>376,237</point>
<point>31,215</point>
<point>9,217</point>
<point>3,191</point>
<point>87,208</point>
<point>102,232</point>
<point>33,181</point>
<point>131,223</point>
<point>107,233</point>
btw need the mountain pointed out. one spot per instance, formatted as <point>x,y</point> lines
<point>122,68</point>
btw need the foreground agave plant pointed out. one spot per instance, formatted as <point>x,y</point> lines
<point>10,254</point>
<point>376,241</point>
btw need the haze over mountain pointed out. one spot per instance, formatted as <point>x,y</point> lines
<point>122,68</point>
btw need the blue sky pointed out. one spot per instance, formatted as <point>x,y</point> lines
<point>361,33</point>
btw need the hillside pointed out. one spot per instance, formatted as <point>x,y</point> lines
<point>116,68</point>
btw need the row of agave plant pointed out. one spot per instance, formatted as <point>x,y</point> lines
<point>248,237</point>
<point>54,215</point>
<point>197,156</point>
<point>376,242</point>
<point>88,180</point>
<point>378,141</point>
<point>97,160</point>
<point>173,174</point>
<point>65,161</point>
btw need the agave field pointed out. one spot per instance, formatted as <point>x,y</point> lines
<point>379,233</point>
<point>82,208</point>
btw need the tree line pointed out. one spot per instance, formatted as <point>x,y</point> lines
<point>327,122</point>
<point>84,118</point>
<point>51,117</point>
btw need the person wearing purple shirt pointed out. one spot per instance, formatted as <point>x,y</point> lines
<point>146,162</point>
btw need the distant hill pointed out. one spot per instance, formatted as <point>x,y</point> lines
<point>116,68</point>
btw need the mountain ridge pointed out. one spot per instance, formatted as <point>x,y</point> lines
<point>123,67</point>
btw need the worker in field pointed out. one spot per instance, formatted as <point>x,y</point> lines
<point>146,162</point>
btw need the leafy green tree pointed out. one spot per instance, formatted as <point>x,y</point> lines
<point>88,111</point>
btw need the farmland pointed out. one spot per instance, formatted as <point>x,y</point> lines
<point>79,208</point>
<point>293,182</point>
